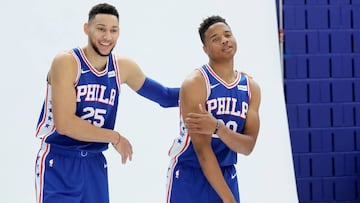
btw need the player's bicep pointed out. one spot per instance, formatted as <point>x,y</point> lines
<point>131,73</point>
<point>62,76</point>
<point>193,93</point>
<point>252,124</point>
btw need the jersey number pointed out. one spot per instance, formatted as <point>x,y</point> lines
<point>94,116</point>
<point>232,125</point>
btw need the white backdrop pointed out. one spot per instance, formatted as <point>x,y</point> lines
<point>161,35</point>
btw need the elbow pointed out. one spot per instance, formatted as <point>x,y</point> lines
<point>62,127</point>
<point>248,145</point>
<point>164,96</point>
<point>246,150</point>
<point>171,99</point>
<point>167,104</point>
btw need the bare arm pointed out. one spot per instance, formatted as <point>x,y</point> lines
<point>193,93</point>
<point>62,77</point>
<point>245,143</point>
<point>204,123</point>
<point>130,73</point>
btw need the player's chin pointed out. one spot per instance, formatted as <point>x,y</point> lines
<point>105,54</point>
<point>105,51</point>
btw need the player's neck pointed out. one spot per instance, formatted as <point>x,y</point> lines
<point>97,61</point>
<point>225,70</point>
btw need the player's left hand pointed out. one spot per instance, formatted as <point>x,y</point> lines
<point>200,123</point>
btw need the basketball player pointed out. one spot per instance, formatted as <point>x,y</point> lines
<point>78,115</point>
<point>219,119</point>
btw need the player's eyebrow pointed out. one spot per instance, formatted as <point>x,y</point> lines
<point>212,36</point>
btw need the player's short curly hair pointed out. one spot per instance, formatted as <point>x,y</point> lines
<point>207,22</point>
<point>103,8</point>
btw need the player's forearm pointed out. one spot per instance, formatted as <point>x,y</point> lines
<point>239,143</point>
<point>213,174</point>
<point>82,130</point>
<point>165,96</point>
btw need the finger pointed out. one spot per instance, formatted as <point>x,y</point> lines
<point>124,158</point>
<point>192,117</point>
<point>190,124</point>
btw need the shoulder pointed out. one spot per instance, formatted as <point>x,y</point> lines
<point>125,62</point>
<point>127,66</point>
<point>193,88</point>
<point>254,86</point>
<point>64,57</point>
<point>255,92</point>
<point>193,80</point>
<point>64,64</point>
<point>130,72</point>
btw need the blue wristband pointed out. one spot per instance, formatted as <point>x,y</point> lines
<point>165,96</point>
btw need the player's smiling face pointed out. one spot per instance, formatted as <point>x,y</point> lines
<point>103,32</point>
<point>219,41</point>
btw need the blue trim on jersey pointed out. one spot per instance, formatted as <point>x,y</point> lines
<point>97,96</point>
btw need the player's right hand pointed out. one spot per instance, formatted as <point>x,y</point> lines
<point>125,149</point>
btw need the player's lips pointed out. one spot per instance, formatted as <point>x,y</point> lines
<point>105,43</point>
<point>227,48</point>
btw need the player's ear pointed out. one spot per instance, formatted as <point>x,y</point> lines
<point>86,28</point>
<point>205,49</point>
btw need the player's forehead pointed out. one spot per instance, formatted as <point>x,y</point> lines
<point>105,20</point>
<point>217,29</point>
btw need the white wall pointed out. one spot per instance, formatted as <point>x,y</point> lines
<point>161,35</point>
